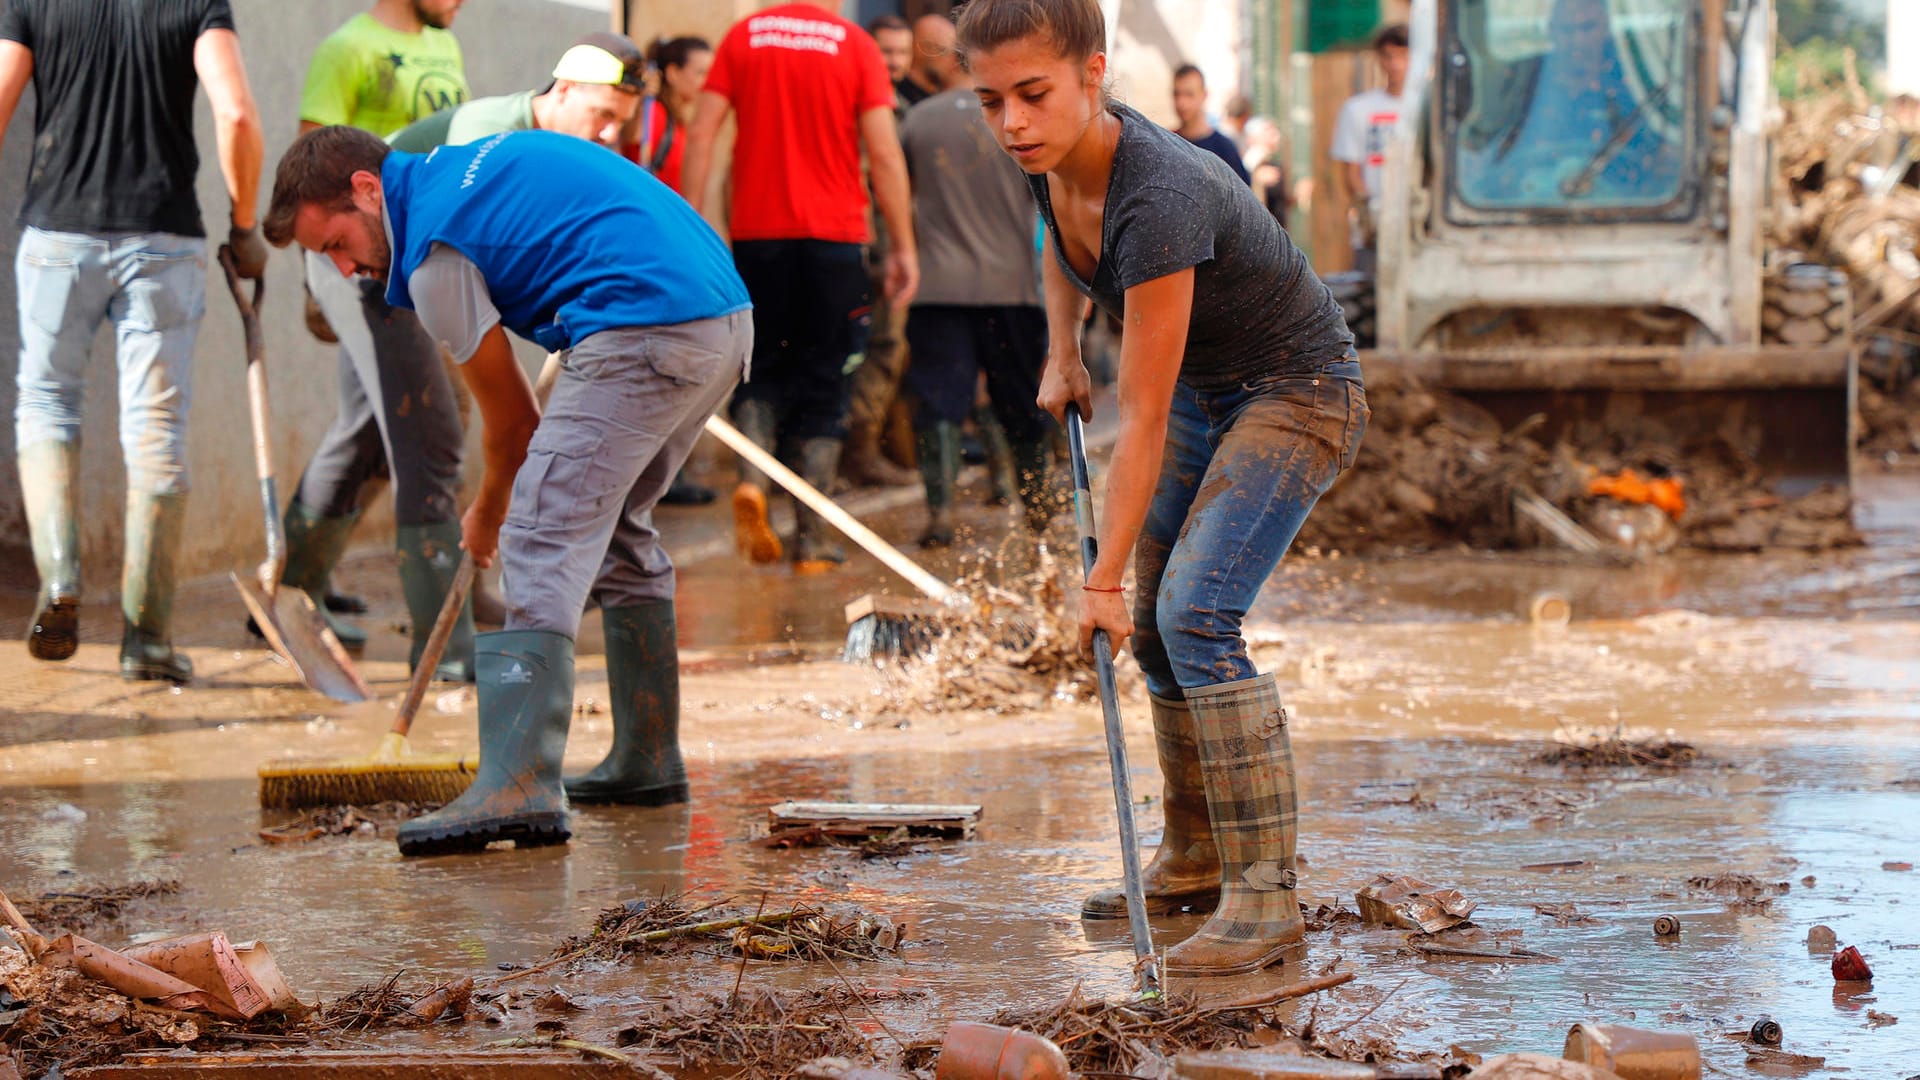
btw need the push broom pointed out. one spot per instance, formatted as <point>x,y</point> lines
<point>391,773</point>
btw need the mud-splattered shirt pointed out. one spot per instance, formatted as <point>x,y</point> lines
<point>1258,308</point>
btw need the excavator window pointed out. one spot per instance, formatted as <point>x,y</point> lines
<point>1569,107</point>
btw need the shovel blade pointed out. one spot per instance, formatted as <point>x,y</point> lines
<point>296,631</point>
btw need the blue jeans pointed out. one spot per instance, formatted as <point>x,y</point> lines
<point>154,288</point>
<point>1242,470</point>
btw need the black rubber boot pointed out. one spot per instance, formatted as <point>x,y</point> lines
<point>147,586</point>
<point>813,552</point>
<point>314,545</point>
<point>644,767</point>
<point>429,561</point>
<point>939,449</point>
<point>50,488</point>
<point>526,707</point>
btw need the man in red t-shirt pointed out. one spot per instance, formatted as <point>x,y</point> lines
<point>810,90</point>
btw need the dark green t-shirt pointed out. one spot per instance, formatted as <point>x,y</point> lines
<point>466,123</point>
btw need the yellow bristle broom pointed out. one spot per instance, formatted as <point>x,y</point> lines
<point>391,773</point>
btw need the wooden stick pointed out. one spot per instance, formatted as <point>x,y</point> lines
<point>34,944</point>
<point>1297,990</point>
<point>1481,954</point>
<point>524,1043</point>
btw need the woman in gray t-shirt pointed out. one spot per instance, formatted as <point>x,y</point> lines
<point>1240,402</point>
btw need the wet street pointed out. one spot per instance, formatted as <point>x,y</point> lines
<point>1421,696</point>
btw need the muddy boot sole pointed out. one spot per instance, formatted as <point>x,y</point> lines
<point>589,793</point>
<point>177,670</point>
<point>467,837</point>
<point>1173,968</point>
<point>55,633</point>
<point>753,533</point>
<point>1096,908</point>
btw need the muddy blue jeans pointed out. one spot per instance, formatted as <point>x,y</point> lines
<point>1243,468</point>
<point>154,288</point>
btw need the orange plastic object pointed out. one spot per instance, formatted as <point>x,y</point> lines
<point>1630,487</point>
<point>990,1052</point>
<point>1850,966</point>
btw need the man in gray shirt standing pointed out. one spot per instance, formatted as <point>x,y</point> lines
<point>978,308</point>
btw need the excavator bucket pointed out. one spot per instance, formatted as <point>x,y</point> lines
<point>1785,412</point>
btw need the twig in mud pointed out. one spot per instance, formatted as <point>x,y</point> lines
<point>1297,990</point>
<point>1376,1008</point>
<point>1483,954</point>
<point>775,919</point>
<point>862,999</point>
<point>525,1043</point>
<point>734,998</point>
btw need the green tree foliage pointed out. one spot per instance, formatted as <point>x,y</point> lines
<point>1814,38</point>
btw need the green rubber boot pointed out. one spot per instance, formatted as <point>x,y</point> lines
<point>939,449</point>
<point>526,706</point>
<point>314,545</point>
<point>429,561</point>
<point>644,767</point>
<point>50,488</point>
<point>147,586</point>
<point>814,551</point>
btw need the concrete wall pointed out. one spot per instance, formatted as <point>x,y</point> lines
<point>509,45</point>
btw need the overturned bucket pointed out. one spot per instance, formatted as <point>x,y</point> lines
<point>1634,1053</point>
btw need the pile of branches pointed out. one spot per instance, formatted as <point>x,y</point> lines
<point>77,909</point>
<point>1615,752</point>
<point>759,1032</point>
<point>798,932</point>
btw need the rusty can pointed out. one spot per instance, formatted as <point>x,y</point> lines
<point>1765,1032</point>
<point>1666,926</point>
<point>1635,1053</point>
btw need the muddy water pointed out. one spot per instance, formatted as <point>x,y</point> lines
<point>1825,787</point>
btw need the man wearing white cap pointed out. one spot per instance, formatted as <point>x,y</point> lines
<point>408,420</point>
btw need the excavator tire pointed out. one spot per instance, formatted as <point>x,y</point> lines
<point>1353,290</point>
<point>1805,304</point>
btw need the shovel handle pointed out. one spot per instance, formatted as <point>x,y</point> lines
<point>261,411</point>
<point>1142,931</point>
<point>436,645</point>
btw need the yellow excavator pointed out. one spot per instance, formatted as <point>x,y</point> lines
<point>1572,229</point>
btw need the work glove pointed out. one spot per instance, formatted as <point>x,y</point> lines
<point>249,251</point>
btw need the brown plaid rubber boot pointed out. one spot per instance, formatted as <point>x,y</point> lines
<point>1248,765</point>
<point>1185,871</point>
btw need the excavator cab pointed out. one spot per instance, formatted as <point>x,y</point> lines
<point>1572,230</point>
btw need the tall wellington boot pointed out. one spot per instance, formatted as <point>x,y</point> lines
<point>752,532</point>
<point>644,767</point>
<point>429,561</point>
<point>1247,762</point>
<point>50,488</point>
<point>526,706</point>
<point>314,545</point>
<point>1185,870</point>
<point>939,453</point>
<point>814,551</point>
<point>147,587</point>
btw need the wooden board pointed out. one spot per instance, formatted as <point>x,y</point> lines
<point>878,819</point>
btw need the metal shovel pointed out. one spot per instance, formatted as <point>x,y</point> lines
<point>286,617</point>
<point>1146,965</point>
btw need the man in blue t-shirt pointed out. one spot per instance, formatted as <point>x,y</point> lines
<point>533,232</point>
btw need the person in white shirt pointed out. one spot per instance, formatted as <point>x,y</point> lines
<point>1360,136</point>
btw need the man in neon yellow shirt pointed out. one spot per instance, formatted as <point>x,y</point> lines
<point>386,68</point>
<point>398,414</point>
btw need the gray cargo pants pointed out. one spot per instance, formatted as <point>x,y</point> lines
<point>397,408</point>
<point>624,415</point>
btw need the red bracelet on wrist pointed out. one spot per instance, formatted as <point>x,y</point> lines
<point>1096,588</point>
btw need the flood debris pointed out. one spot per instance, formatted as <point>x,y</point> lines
<point>972,1051</point>
<point>1877,1019</point>
<point>1613,750</point>
<point>1666,926</point>
<point>1765,1055</point>
<point>875,829</point>
<point>1413,904</point>
<point>799,933</point>
<point>378,819</point>
<point>1822,939</point>
<point>1565,915</point>
<point>1741,888</point>
<point>87,906</point>
<point>1634,1053</point>
<point>386,1005</point>
<point>761,1032</point>
<point>1850,967</point>
<point>1438,471</point>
